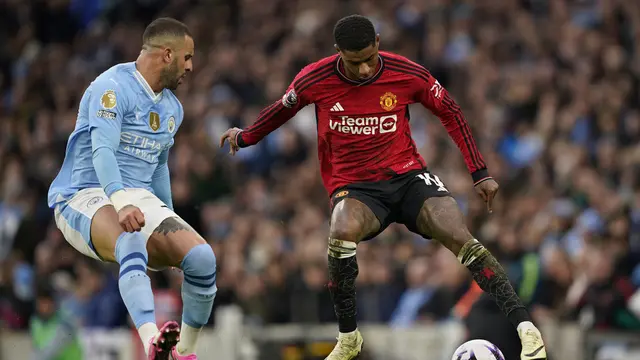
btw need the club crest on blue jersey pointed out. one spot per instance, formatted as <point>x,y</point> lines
<point>172,124</point>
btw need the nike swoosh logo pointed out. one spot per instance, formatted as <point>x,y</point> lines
<point>535,352</point>
<point>164,206</point>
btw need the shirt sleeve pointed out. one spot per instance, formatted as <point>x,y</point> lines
<point>272,117</point>
<point>107,106</point>
<point>161,180</point>
<point>438,100</point>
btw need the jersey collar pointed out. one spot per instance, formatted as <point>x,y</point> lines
<point>146,87</point>
<point>345,78</point>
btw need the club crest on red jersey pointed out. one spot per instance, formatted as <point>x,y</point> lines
<point>388,101</point>
<point>290,99</point>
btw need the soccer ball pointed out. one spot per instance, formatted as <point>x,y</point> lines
<point>477,350</point>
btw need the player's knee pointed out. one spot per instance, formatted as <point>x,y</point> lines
<point>440,218</point>
<point>199,267</point>
<point>353,221</point>
<point>346,230</point>
<point>457,240</point>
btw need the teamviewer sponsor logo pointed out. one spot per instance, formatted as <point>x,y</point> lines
<point>371,125</point>
<point>388,123</point>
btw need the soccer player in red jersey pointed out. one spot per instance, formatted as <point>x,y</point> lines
<point>374,174</point>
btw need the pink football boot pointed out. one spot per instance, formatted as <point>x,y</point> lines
<point>161,346</point>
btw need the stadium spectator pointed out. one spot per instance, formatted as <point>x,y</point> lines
<point>53,328</point>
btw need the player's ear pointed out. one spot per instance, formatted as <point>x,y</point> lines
<point>168,55</point>
<point>336,47</point>
<point>377,41</point>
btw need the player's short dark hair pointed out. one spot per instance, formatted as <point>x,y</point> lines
<point>354,33</point>
<point>165,27</point>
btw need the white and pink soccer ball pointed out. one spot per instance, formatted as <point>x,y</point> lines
<point>477,350</point>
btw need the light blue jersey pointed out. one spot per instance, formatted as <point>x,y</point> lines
<point>122,137</point>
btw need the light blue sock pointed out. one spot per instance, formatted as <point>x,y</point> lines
<point>199,285</point>
<point>134,284</point>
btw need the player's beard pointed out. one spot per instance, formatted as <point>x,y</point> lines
<point>170,76</point>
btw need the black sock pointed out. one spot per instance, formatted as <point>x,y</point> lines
<point>342,286</point>
<point>491,277</point>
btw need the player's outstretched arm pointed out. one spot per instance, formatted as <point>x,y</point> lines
<point>161,180</point>
<point>437,99</point>
<point>273,116</point>
<point>105,120</point>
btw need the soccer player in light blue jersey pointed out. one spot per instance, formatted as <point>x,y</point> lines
<point>112,197</point>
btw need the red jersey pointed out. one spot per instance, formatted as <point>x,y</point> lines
<point>363,127</point>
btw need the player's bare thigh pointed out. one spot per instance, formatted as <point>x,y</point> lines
<point>171,241</point>
<point>441,219</point>
<point>352,220</point>
<point>167,246</point>
<point>105,230</point>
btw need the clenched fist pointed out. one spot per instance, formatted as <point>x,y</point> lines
<point>131,218</point>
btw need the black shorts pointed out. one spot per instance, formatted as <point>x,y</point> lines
<point>397,200</point>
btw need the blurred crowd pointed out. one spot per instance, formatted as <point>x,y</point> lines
<point>550,88</point>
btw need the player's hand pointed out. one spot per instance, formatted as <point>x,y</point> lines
<point>231,136</point>
<point>487,190</point>
<point>131,218</point>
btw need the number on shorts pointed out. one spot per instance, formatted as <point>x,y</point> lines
<point>431,179</point>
